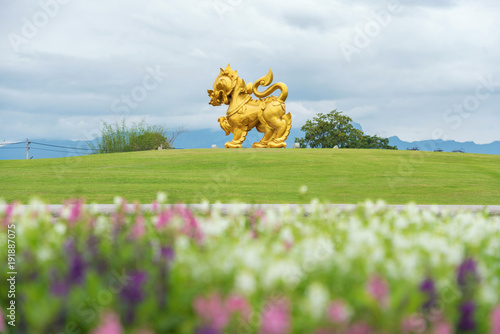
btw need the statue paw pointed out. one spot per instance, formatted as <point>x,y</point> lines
<point>230,144</point>
<point>259,145</point>
<point>274,144</point>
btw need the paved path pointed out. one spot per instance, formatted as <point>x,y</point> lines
<point>110,208</point>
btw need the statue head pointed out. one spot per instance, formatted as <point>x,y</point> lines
<point>223,87</point>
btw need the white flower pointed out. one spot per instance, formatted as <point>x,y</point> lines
<point>303,190</point>
<point>94,208</point>
<point>101,225</point>
<point>36,205</point>
<point>60,228</point>
<point>65,212</point>
<point>488,294</point>
<point>181,243</point>
<point>245,282</point>
<point>161,197</point>
<point>215,226</point>
<point>285,271</point>
<point>44,254</point>
<point>204,205</point>
<point>251,256</point>
<point>317,299</point>
<point>118,200</point>
<point>286,235</point>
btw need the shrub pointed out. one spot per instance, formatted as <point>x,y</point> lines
<point>118,137</point>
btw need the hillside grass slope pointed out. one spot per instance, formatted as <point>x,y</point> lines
<point>259,176</point>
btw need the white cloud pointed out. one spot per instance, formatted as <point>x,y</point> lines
<point>417,65</point>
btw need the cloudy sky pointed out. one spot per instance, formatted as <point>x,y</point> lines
<point>415,69</point>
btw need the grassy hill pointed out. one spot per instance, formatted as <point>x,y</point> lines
<point>259,176</point>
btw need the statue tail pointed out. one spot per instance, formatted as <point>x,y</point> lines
<point>288,119</point>
<point>266,81</point>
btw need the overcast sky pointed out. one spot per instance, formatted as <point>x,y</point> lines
<point>415,69</point>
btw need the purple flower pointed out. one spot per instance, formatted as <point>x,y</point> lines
<point>428,287</point>
<point>132,292</point>
<point>207,330</point>
<point>467,322</point>
<point>167,253</point>
<point>76,263</point>
<point>77,269</point>
<point>467,273</point>
<point>59,288</point>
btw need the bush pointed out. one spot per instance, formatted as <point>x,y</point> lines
<point>140,136</point>
<point>336,129</point>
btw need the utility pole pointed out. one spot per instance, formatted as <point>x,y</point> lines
<point>27,148</point>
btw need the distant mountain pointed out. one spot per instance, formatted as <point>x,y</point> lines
<point>205,138</point>
<point>44,149</point>
<point>446,146</point>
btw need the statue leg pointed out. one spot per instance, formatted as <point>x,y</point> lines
<point>238,139</point>
<point>281,124</point>
<point>268,134</point>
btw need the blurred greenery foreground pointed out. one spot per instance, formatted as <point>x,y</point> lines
<point>273,271</point>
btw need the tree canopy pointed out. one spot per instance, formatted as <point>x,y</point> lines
<point>335,128</point>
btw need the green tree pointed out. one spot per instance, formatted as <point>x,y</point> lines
<point>118,137</point>
<point>335,128</point>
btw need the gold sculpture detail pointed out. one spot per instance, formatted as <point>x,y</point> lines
<point>267,114</point>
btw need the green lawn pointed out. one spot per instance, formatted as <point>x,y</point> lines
<point>259,176</point>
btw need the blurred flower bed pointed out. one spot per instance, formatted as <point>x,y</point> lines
<point>272,271</point>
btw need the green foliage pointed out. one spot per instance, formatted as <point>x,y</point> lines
<point>118,137</point>
<point>334,128</point>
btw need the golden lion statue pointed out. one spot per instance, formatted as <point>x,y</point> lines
<point>267,114</point>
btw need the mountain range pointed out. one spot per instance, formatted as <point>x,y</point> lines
<point>205,138</point>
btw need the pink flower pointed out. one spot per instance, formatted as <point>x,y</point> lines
<point>379,289</point>
<point>323,331</point>
<point>337,312</point>
<point>3,327</point>
<point>110,324</point>
<point>191,227</point>
<point>359,328</point>
<point>139,228</point>
<point>216,313</point>
<point>415,323</point>
<point>442,327</point>
<point>238,304</point>
<point>276,317</point>
<point>164,218</point>
<point>8,214</point>
<point>212,311</point>
<point>495,321</point>
<point>76,211</point>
